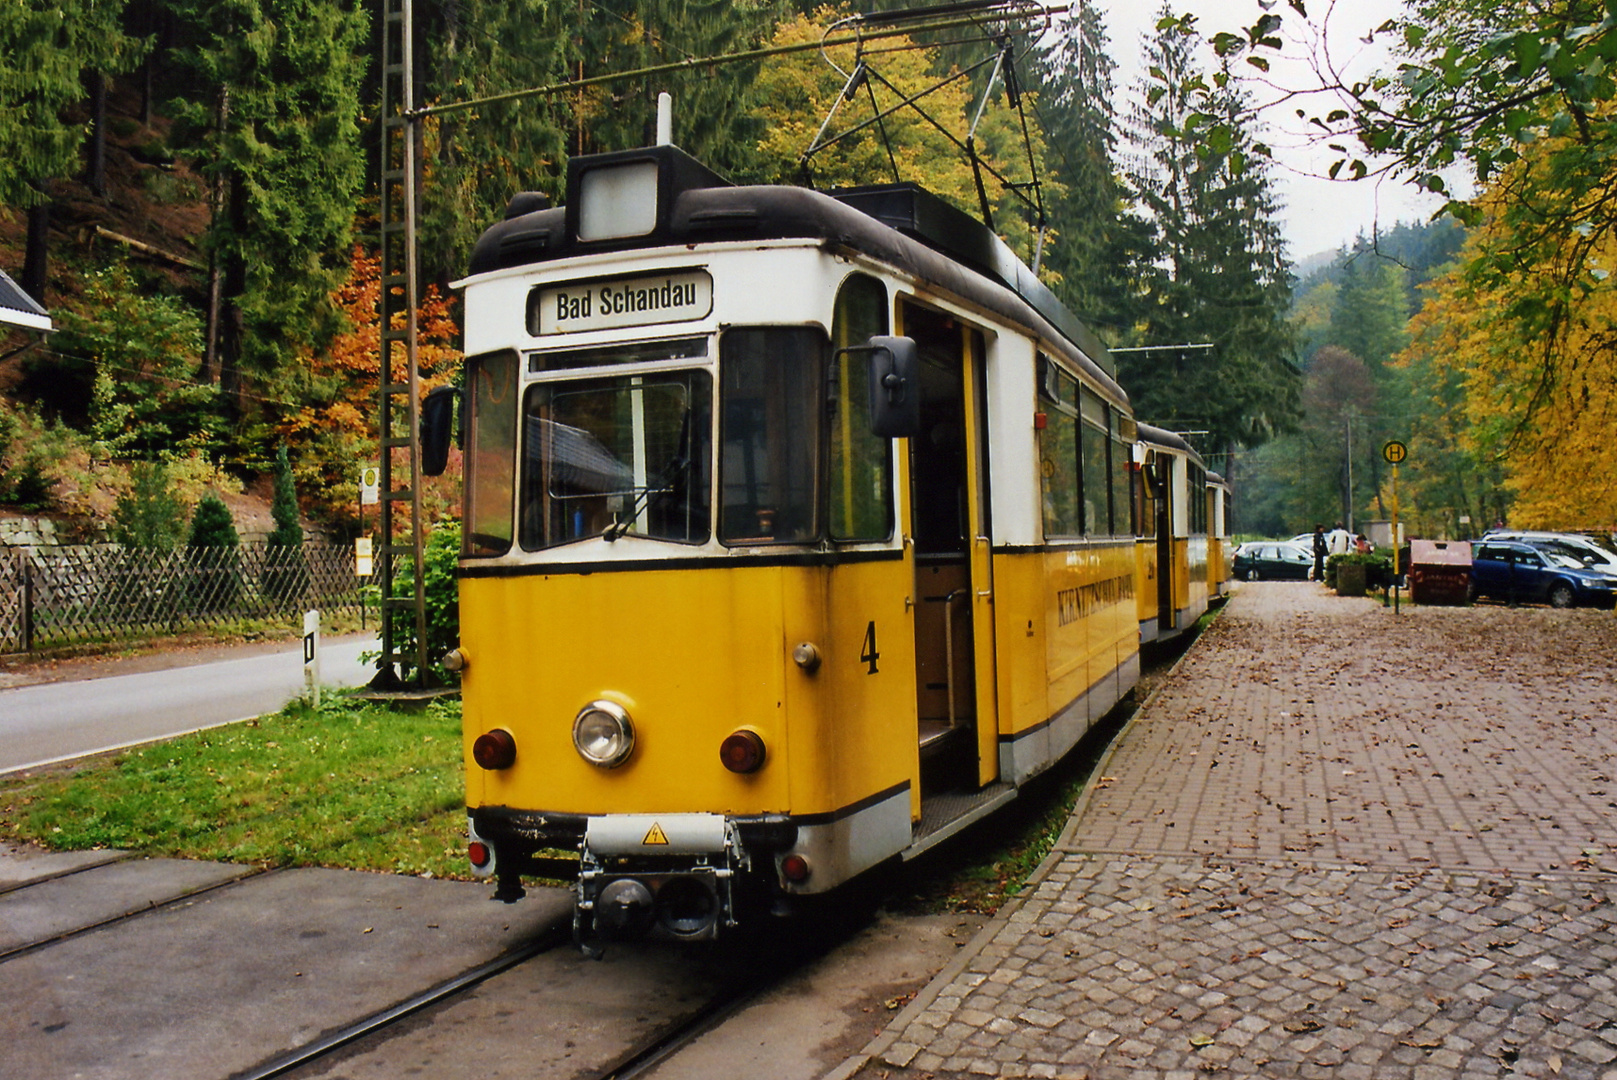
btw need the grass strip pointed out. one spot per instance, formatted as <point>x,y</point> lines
<point>346,784</point>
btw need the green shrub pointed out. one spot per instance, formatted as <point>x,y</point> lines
<point>441,591</point>
<point>212,524</point>
<point>148,515</point>
<point>1377,564</point>
<point>138,351</point>
<point>215,581</point>
<point>44,465</point>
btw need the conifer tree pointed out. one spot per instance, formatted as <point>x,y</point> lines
<point>46,47</point>
<point>270,109</point>
<point>474,161</point>
<point>1100,242</point>
<point>212,524</point>
<point>288,530</point>
<point>1221,278</point>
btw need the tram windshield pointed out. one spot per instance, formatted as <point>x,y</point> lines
<point>619,454</point>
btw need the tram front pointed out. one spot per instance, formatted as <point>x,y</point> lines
<point>680,552</point>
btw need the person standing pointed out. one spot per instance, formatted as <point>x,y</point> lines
<point>1340,540</point>
<point>1319,552</point>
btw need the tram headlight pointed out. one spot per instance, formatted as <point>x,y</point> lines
<point>603,734</point>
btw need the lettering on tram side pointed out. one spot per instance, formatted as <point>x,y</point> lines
<point>1084,600</point>
<point>603,305</point>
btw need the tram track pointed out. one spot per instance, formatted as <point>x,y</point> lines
<point>379,1021</point>
<point>736,979</point>
<point>151,906</point>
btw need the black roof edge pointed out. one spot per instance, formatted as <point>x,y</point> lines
<point>698,205</point>
<point>1162,437</point>
<point>916,212</point>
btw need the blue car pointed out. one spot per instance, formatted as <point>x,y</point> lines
<point>1525,574</point>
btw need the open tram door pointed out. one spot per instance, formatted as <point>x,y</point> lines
<point>948,524</point>
<point>1159,468</point>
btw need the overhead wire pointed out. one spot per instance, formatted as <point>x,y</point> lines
<point>689,63</point>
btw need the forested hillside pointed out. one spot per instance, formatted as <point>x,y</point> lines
<point>189,186</point>
<point>1492,354</point>
<point>231,145</point>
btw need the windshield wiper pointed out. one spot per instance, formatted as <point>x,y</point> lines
<point>668,482</point>
<point>649,496</point>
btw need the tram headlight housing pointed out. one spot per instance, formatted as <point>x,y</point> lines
<point>495,750</point>
<point>603,734</point>
<point>742,751</point>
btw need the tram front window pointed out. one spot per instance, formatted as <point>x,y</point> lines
<point>624,454</point>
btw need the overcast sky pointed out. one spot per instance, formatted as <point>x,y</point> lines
<point>1320,214</point>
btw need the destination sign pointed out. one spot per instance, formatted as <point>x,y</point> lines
<point>605,305</point>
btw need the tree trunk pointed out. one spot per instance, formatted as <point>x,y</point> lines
<point>233,286</point>
<point>95,171</point>
<point>212,368</point>
<point>35,267</point>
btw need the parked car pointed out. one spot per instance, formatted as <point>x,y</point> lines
<point>1579,547</point>
<point>1273,560</point>
<point>1513,570</point>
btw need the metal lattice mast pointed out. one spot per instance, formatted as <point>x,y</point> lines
<point>400,375</point>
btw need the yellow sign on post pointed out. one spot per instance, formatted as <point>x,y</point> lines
<point>362,557</point>
<point>1395,452</point>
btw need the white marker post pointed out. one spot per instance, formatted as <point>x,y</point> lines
<point>311,655</point>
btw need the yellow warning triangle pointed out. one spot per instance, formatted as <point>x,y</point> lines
<point>655,836</point>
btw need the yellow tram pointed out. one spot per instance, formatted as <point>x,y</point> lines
<point>1171,556</point>
<point>799,532</point>
<point>1220,548</point>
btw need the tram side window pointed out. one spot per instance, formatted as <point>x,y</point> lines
<point>1097,474</point>
<point>1058,452</point>
<point>861,495</point>
<point>491,451</point>
<point>771,397</point>
<point>1123,523</point>
<point>1198,480</point>
<point>627,453</point>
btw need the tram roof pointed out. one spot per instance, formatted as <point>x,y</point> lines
<point>903,225</point>
<point>1150,433</point>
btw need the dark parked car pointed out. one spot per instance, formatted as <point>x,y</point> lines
<point>1516,571</point>
<point>1273,560</point>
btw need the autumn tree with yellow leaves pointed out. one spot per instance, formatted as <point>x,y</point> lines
<point>1514,364</point>
<point>797,91</point>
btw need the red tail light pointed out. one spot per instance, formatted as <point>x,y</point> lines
<point>495,749</point>
<point>478,853</point>
<point>795,868</point>
<point>742,751</point>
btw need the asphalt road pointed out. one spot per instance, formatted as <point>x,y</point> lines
<point>48,722</point>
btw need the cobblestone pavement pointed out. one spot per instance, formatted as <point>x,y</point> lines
<point>1338,842</point>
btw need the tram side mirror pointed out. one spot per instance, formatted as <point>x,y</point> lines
<point>895,388</point>
<point>437,428</point>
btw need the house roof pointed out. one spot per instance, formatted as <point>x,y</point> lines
<point>17,308</point>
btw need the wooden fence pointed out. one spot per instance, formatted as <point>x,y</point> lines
<point>51,597</point>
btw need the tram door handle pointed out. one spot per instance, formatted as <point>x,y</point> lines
<point>948,651</point>
<point>984,594</point>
